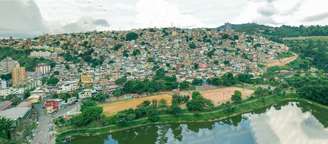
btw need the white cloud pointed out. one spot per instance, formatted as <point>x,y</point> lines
<point>127,14</point>
<point>20,17</point>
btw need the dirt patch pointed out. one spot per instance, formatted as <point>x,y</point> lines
<point>112,108</point>
<point>281,62</point>
<point>222,95</point>
<point>218,96</point>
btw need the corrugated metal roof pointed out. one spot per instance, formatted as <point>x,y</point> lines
<point>15,113</point>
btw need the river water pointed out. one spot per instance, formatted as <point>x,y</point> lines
<point>292,123</point>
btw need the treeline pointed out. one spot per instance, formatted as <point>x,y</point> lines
<point>314,51</point>
<point>22,56</point>
<point>312,88</point>
<point>228,79</point>
<point>277,33</point>
<point>282,31</point>
<point>160,82</point>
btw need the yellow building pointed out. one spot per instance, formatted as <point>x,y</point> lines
<point>86,79</point>
<point>19,76</point>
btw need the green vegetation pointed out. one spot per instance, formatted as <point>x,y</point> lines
<point>22,56</point>
<point>312,88</point>
<point>192,45</point>
<point>197,82</point>
<point>312,51</point>
<point>66,96</point>
<point>278,33</point>
<point>285,55</point>
<point>228,79</point>
<point>51,81</point>
<point>160,82</point>
<point>198,103</point>
<point>236,97</point>
<point>89,112</point>
<point>100,97</point>
<point>5,128</point>
<point>117,47</point>
<point>5,77</point>
<point>131,36</point>
<point>71,58</point>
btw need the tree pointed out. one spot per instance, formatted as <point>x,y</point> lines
<point>121,80</point>
<point>185,85</point>
<point>198,103</point>
<point>100,97</point>
<point>89,112</point>
<point>175,109</point>
<point>179,99</point>
<point>246,78</point>
<point>153,114</point>
<point>136,52</point>
<point>117,92</point>
<point>27,94</point>
<point>52,81</point>
<point>225,36</point>
<point>6,77</point>
<point>228,79</point>
<point>116,47</point>
<point>236,97</point>
<point>197,82</point>
<point>88,103</point>
<point>131,36</point>
<point>192,45</point>
<point>92,112</point>
<point>5,127</point>
<point>126,53</point>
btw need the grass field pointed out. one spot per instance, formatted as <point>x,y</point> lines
<point>217,96</point>
<point>281,62</point>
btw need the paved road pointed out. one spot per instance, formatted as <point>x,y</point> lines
<point>44,133</point>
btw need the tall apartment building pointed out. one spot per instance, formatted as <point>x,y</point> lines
<point>42,69</point>
<point>7,65</point>
<point>19,76</point>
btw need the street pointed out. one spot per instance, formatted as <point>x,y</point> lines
<point>44,133</point>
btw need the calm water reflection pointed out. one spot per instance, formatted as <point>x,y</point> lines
<point>290,124</point>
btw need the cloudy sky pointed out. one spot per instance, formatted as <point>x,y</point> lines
<point>58,16</point>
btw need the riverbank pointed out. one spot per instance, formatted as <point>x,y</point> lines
<point>219,113</point>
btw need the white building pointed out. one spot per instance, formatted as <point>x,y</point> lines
<point>3,84</point>
<point>42,69</point>
<point>86,93</point>
<point>40,54</point>
<point>7,65</point>
<point>68,86</point>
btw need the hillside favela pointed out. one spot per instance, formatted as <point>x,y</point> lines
<point>163,72</point>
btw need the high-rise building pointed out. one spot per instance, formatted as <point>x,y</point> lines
<point>3,84</point>
<point>19,76</point>
<point>42,69</point>
<point>7,65</point>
